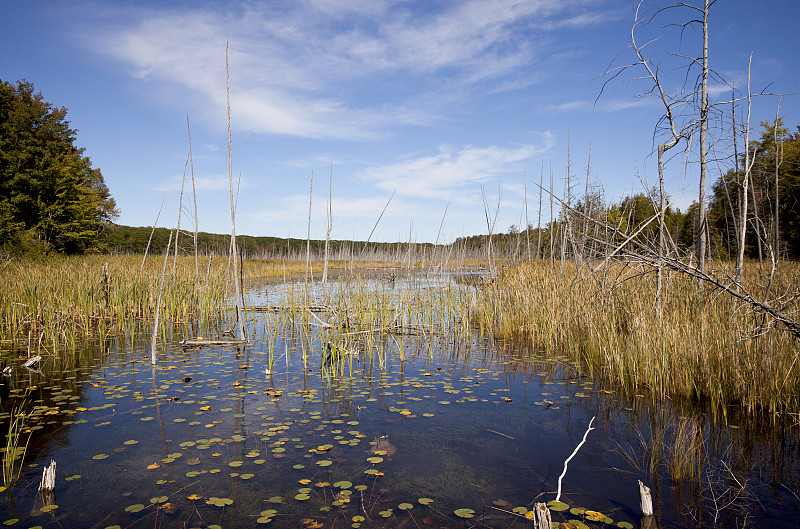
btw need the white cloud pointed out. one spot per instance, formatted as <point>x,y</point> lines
<point>449,170</point>
<point>202,183</point>
<point>334,68</point>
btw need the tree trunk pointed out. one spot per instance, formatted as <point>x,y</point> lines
<point>702,237</point>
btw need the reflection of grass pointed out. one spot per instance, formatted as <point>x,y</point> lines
<point>452,479</point>
<point>13,450</point>
<point>687,457</point>
<point>675,444</point>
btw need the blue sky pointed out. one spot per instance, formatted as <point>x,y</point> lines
<point>432,100</point>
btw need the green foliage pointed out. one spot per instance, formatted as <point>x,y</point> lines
<point>725,205</point>
<point>51,198</point>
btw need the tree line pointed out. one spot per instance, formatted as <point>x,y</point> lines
<point>53,201</point>
<point>591,225</point>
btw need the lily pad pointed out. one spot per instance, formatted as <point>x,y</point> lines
<point>557,506</point>
<point>136,507</point>
<point>219,502</point>
<point>464,513</point>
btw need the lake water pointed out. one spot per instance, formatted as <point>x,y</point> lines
<point>409,428</point>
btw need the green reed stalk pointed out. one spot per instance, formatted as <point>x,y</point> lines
<point>14,450</point>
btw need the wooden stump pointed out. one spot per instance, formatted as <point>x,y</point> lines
<point>645,501</point>
<point>543,519</point>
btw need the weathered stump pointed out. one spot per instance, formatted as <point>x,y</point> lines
<point>542,519</point>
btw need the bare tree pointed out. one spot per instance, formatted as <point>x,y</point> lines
<point>748,165</point>
<point>308,239</point>
<point>330,226</point>
<point>539,221</point>
<point>194,201</point>
<point>234,252</point>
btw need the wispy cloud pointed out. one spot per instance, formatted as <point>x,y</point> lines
<point>451,169</point>
<point>201,183</point>
<point>335,68</point>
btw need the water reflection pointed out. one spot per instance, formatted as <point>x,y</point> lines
<point>460,420</point>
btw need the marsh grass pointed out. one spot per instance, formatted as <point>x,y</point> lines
<point>14,449</point>
<point>705,346</point>
<point>48,305</point>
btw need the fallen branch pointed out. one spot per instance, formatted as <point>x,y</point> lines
<point>203,343</point>
<point>564,473</point>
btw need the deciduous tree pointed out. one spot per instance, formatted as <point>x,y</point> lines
<point>51,198</point>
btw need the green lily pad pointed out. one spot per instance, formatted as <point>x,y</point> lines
<point>159,499</point>
<point>464,513</point>
<point>99,456</point>
<point>343,484</point>
<point>405,506</point>
<point>219,502</point>
<point>276,499</point>
<point>425,501</point>
<point>48,508</point>
<point>557,506</point>
<point>136,507</point>
<point>625,525</point>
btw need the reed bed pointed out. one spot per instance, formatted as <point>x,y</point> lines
<point>47,305</point>
<point>705,345</point>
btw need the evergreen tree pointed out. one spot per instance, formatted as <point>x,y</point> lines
<point>51,198</point>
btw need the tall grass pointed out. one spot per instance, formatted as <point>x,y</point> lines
<point>48,304</point>
<point>705,345</point>
<point>14,449</point>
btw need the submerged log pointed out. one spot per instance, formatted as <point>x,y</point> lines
<point>30,364</point>
<point>204,343</point>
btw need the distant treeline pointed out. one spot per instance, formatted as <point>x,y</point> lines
<point>120,239</point>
